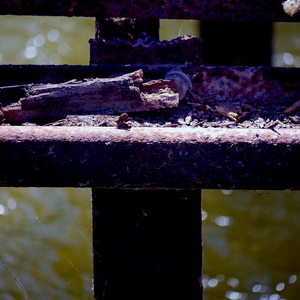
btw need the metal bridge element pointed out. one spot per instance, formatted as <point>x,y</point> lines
<point>146,182</point>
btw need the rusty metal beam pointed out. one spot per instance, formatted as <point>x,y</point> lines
<point>266,86</point>
<point>146,51</point>
<point>242,10</point>
<point>150,158</point>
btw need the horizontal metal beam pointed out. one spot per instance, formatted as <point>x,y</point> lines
<point>242,10</point>
<point>265,86</point>
<point>182,50</point>
<point>149,158</point>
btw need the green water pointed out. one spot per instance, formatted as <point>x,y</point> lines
<point>46,244</point>
<point>250,238</point>
<point>45,40</point>
<point>250,244</point>
<point>60,40</point>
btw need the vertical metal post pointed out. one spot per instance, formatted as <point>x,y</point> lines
<point>126,28</point>
<point>147,244</point>
<point>236,43</point>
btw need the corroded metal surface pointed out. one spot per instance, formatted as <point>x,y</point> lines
<point>148,158</point>
<point>243,10</point>
<point>126,28</point>
<point>262,85</point>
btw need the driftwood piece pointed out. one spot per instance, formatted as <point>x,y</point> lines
<point>126,93</point>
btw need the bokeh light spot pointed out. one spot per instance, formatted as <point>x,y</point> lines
<point>223,221</point>
<point>30,52</point>
<point>11,203</point>
<point>53,35</point>
<point>3,210</point>
<point>39,40</point>
<point>288,58</point>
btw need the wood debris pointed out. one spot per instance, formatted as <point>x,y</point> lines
<point>122,119</point>
<point>295,119</point>
<point>126,93</point>
<point>228,111</point>
<point>293,108</point>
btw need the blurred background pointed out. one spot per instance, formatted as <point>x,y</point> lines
<point>58,40</point>
<point>250,237</point>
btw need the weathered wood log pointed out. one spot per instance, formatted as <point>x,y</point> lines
<point>126,93</point>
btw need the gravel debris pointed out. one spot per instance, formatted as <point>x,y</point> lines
<point>191,113</point>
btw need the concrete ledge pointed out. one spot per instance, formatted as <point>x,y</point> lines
<point>149,158</point>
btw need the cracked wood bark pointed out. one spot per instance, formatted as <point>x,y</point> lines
<point>126,93</point>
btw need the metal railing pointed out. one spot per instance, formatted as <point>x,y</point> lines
<point>146,182</point>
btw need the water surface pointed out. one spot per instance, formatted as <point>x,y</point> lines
<point>46,244</point>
